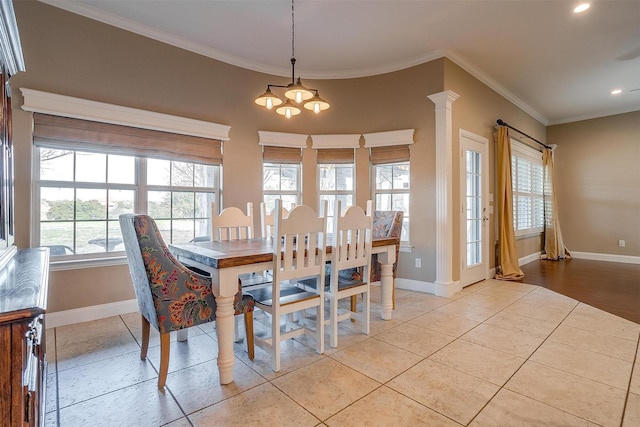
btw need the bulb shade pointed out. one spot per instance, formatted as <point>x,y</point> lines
<point>288,109</point>
<point>297,92</point>
<point>268,99</point>
<point>316,104</point>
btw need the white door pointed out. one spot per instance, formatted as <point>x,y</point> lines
<point>474,217</point>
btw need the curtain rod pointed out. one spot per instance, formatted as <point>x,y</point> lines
<point>499,122</point>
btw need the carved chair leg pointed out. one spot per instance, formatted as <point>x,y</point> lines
<point>145,338</point>
<point>393,294</point>
<point>248,330</point>
<point>165,347</point>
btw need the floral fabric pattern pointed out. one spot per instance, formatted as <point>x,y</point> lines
<point>170,295</point>
<point>385,224</point>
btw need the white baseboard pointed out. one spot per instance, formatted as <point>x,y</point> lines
<point>93,312</point>
<point>529,258</point>
<point>415,285</point>
<point>627,259</point>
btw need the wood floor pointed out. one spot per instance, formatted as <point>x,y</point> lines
<point>610,286</point>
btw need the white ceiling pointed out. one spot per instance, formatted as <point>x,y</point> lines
<point>556,65</point>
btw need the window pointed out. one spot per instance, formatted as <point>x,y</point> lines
<point>81,194</point>
<point>280,181</point>
<point>336,182</point>
<point>391,191</point>
<point>528,196</point>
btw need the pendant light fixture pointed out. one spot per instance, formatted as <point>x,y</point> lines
<point>295,93</point>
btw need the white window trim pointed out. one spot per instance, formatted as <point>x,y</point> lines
<point>61,105</point>
<point>335,141</point>
<point>393,137</point>
<point>281,139</point>
<point>405,245</point>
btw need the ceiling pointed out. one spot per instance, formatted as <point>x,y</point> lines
<point>556,65</point>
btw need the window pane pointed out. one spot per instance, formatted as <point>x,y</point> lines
<point>115,237</point>
<point>182,231</point>
<point>91,204</point>
<point>120,201</point>
<point>121,169</point>
<point>183,205</point>
<point>91,167</point>
<point>204,175</point>
<point>56,165</point>
<point>159,204</point>
<point>56,204</point>
<point>289,178</point>
<point>344,178</point>
<point>401,177</point>
<point>57,234</point>
<point>182,174</point>
<point>158,172</point>
<point>271,179</point>
<point>203,204</point>
<point>384,177</point>
<point>91,237</point>
<point>164,226</point>
<point>327,177</point>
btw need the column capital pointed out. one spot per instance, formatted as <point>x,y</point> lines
<point>444,99</point>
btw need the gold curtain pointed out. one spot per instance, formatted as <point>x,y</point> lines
<point>509,268</point>
<point>554,247</point>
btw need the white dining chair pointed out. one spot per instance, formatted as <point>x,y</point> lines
<point>299,252</point>
<point>231,223</point>
<point>267,220</point>
<point>350,260</point>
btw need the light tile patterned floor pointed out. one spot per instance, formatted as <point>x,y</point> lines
<point>496,354</point>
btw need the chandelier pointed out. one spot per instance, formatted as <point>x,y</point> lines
<point>295,91</point>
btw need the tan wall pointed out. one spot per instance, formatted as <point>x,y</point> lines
<point>596,165</point>
<point>476,110</point>
<point>75,56</point>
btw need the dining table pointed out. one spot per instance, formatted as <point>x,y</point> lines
<point>226,260</point>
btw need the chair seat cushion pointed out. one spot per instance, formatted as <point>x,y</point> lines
<point>288,294</point>
<point>346,279</point>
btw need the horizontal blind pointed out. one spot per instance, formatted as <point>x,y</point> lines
<point>335,156</point>
<point>272,154</point>
<point>389,154</point>
<point>66,133</point>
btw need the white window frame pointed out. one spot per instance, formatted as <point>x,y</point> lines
<point>532,158</point>
<point>67,106</point>
<point>333,194</point>
<point>140,189</point>
<point>297,193</point>
<point>406,220</point>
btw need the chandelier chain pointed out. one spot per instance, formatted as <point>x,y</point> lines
<point>293,30</point>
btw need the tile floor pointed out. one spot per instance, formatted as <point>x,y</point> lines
<point>497,354</point>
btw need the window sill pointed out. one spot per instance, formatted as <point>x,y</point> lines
<point>75,264</point>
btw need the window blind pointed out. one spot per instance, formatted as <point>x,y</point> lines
<point>272,154</point>
<point>66,133</point>
<point>389,154</point>
<point>335,156</point>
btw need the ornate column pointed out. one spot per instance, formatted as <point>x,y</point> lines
<point>444,284</point>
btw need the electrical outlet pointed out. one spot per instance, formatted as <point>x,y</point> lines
<point>621,243</point>
<point>418,263</point>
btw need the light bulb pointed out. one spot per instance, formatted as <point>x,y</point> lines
<point>287,113</point>
<point>298,97</point>
<point>316,107</point>
<point>269,103</point>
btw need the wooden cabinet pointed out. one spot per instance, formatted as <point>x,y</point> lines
<point>23,367</point>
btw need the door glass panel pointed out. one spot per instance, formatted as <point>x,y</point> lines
<point>473,209</point>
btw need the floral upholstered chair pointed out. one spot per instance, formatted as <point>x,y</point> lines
<point>170,296</point>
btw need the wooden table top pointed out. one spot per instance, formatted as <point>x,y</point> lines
<point>233,253</point>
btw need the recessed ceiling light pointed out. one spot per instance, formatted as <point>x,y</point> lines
<point>581,8</point>
<point>616,92</point>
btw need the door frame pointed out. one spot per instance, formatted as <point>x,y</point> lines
<point>485,172</point>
